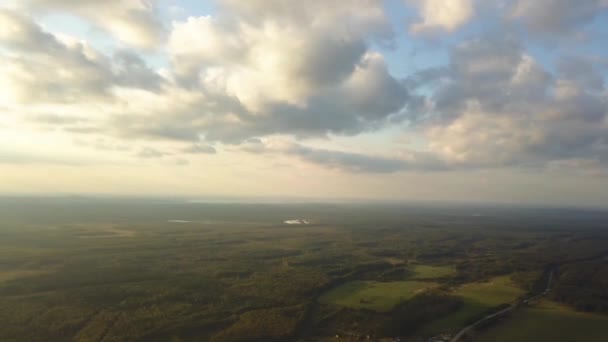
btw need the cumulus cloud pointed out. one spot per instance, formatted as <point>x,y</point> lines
<point>267,52</point>
<point>493,70</point>
<point>478,138</point>
<point>44,68</point>
<point>135,22</point>
<point>130,70</point>
<point>41,67</point>
<point>497,106</point>
<point>269,67</point>
<point>555,17</point>
<point>438,16</point>
<point>309,69</point>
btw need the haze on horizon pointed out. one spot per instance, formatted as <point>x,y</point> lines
<point>427,100</point>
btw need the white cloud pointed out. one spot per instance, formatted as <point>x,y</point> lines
<point>265,52</point>
<point>40,67</point>
<point>134,22</point>
<point>484,139</point>
<point>263,68</point>
<point>441,15</point>
<point>498,107</point>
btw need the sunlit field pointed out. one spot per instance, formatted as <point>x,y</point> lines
<point>548,321</point>
<point>377,296</point>
<point>478,298</point>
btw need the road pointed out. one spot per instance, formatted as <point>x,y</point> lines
<point>468,328</point>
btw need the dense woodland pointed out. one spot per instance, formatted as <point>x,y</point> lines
<point>101,270</point>
<point>584,285</point>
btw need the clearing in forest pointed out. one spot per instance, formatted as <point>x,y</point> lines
<point>432,272</point>
<point>478,298</point>
<point>373,295</point>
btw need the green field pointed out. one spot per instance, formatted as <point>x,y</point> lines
<point>478,297</point>
<point>548,321</point>
<point>372,295</point>
<point>432,272</point>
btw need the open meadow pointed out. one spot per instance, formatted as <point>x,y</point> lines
<point>478,298</point>
<point>376,296</point>
<point>433,272</point>
<point>547,321</point>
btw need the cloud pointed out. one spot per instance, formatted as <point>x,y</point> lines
<point>150,152</point>
<point>200,149</point>
<point>351,162</point>
<point>496,106</point>
<point>103,145</point>
<point>54,119</point>
<point>493,70</point>
<point>364,163</point>
<point>478,138</point>
<point>135,22</point>
<point>37,159</point>
<point>132,71</point>
<point>438,16</point>
<point>47,68</point>
<point>40,67</point>
<point>256,69</point>
<point>581,70</point>
<point>267,52</point>
<point>274,67</point>
<point>346,161</point>
<point>555,17</point>
<point>182,162</point>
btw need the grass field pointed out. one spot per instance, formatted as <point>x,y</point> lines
<point>16,274</point>
<point>548,321</point>
<point>478,297</point>
<point>432,272</point>
<point>377,296</point>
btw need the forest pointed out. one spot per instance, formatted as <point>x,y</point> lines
<point>74,269</point>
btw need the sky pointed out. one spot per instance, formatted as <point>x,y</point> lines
<point>417,100</point>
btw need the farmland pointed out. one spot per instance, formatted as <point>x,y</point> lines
<point>548,321</point>
<point>478,298</point>
<point>377,296</point>
<point>433,272</point>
